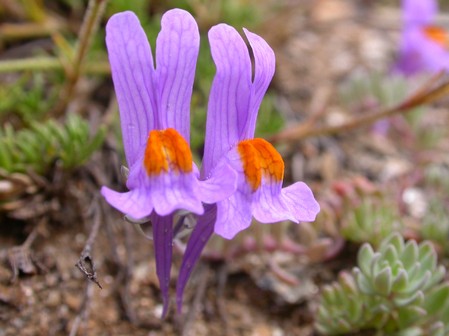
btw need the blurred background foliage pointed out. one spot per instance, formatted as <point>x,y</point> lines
<point>29,96</point>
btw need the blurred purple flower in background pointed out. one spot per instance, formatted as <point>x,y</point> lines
<point>234,101</point>
<point>154,108</point>
<point>424,46</point>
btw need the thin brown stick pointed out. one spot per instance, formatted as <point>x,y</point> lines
<point>222,279</point>
<point>85,263</point>
<point>125,276</point>
<point>16,31</point>
<point>203,275</point>
<point>424,95</point>
<point>20,257</point>
<point>90,25</point>
<point>84,311</point>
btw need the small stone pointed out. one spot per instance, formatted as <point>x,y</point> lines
<point>73,300</point>
<point>5,274</point>
<point>54,299</point>
<point>12,295</point>
<point>51,280</point>
<point>262,330</point>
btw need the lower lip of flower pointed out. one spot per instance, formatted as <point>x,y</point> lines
<point>437,35</point>
<point>166,151</point>
<point>260,158</point>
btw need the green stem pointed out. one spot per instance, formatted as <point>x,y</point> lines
<point>90,25</point>
<point>49,64</point>
<point>91,21</point>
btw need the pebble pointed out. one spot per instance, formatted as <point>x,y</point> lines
<point>73,300</point>
<point>54,299</point>
<point>51,280</point>
<point>5,275</point>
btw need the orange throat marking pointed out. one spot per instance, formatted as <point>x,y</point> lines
<point>260,158</point>
<point>437,35</point>
<point>167,150</point>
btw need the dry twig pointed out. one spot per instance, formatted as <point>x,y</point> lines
<point>427,93</point>
<point>84,310</point>
<point>222,277</point>
<point>20,256</point>
<point>200,292</point>
<point>90,25</point>
<point>85,263</point>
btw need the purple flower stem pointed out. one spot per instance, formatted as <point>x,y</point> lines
<point>198,240</point>
<point>163,250</point>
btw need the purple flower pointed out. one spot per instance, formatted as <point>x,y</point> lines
<point>154,105</point>
<point>234,101</point>
<point>424,46</point>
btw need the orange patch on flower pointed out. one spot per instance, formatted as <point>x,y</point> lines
<point>437,35</point>
<point>259,159</point>
<point>167,151</point>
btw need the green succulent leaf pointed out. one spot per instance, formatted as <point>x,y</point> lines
<point>436,276</point>
<point>377,265</point>
<point>415,298</point>
<point>390,255</point>
<point>428,259</point>
<point>328,295</point>
<point>37,147</point>
<point>347,282</point>
<point>383,282</point>
<point>410,254</point>
<point>363,283</point>
<point>437,299</point>
<point>364,258</point>
<point>400,282</point>
<point>395,240</point>
<point>396,290</point>
<point>408,316</point>
<point>419,281</point>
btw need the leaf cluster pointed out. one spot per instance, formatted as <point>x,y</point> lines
<point>371,220</point>
<point>37,147</point>
<point>396,290</point>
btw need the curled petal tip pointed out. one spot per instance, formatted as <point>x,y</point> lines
<point>301,202</point>
<point>134,203</point>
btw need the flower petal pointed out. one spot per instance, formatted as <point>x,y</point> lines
<point>175,191</point>
<point>135,203</point>
<point>168,190</point>
<point>264,67</point>
<point>269,206</point>
<point>419,12</point>
<point>233,214</point>
<point>229,96</point>
<point>198,239</point>
<point>177,49</point>
<point>163,250</point>
<point>220,185</point>
<point>419,53</point>
<point>301,202</point>
<point>133,75</point>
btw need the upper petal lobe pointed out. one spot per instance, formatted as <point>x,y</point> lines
<point>133,75</point>
<point>229,96</point>
<point>177,49</point>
